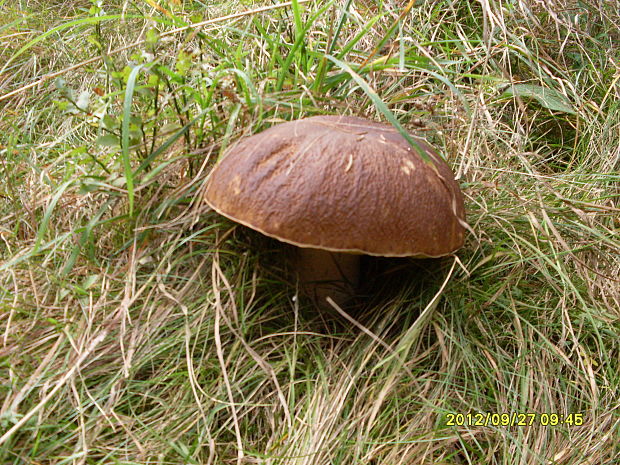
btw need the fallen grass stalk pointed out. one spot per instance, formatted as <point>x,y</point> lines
<point>59,384</point>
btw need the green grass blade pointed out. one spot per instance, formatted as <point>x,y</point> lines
<point>131,84</point>
<point>166,145</point>
<point>299,25</point>
<point>359,36</point>
<point>343,18</point>
<point>86,234</point>
<point>230,126</point>
<point>292,54</point>
<point>382,107</point>
<point>57,29</point>
<point>48,214</point>
<point>448,83</point>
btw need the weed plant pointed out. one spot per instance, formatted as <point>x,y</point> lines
<point>139,327</point>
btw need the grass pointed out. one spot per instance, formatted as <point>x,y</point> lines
<point>138,326</point>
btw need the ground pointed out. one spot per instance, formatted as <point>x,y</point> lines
<point>139,326</point>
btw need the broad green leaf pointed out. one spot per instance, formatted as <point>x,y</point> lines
<point>89,281</point>
<point>152,37</point>
<point>110,122</point>
<point>108,140</point>
<point>546,97</point>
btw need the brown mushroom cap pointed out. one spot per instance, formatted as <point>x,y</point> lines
<point>343,184</point>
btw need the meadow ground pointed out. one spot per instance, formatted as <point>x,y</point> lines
<point>140,327</point>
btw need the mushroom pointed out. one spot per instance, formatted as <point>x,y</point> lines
<point>338,187</point>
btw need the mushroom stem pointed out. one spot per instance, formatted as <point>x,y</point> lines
<point>322,273</point>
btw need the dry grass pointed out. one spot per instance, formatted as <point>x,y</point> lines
<point>168,335</point>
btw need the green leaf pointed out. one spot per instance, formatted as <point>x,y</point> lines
<point>232,119</point>
<point>184,63</point>
<point>48,214</point>
<point>89,281</point>
<point>110,122</point>
<point>152,37</point>
<point>171,140</point>
<point>382,107</point>
<point>131,84</point>
<point>62,105</point>
<point>85,188</point>
<point>299,41</point>
<point>60,83</point>
<point>83,100</point>
<point>84,237</point>
<point>546,97</point>
<point>108,140</point>
<point>93,39</point>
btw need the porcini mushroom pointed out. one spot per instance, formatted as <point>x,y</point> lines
<point>338,187</point>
